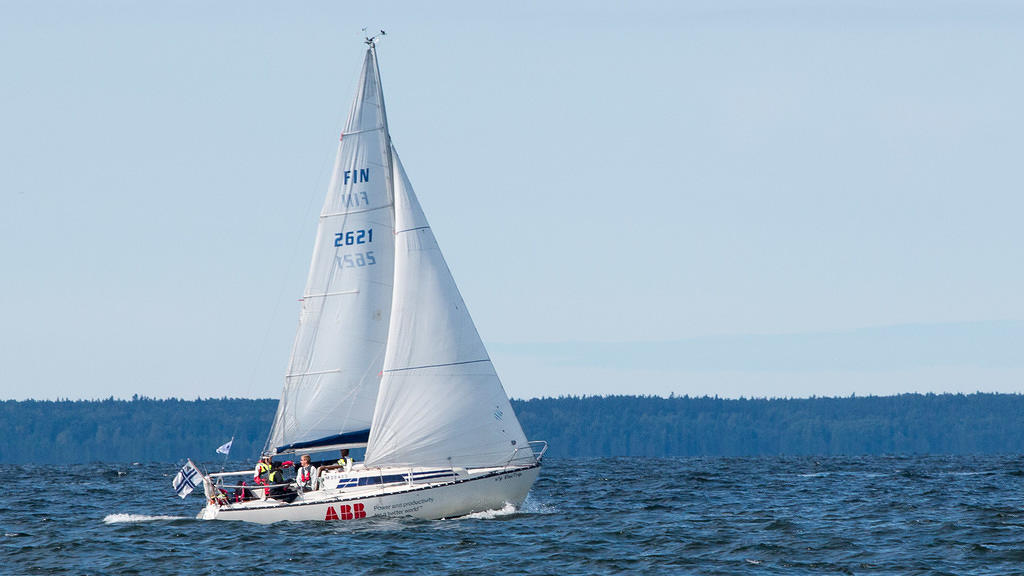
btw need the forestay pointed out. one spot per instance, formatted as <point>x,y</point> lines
<point>440,401</point>
<point>333,376</point>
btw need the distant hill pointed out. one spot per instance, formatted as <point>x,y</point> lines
<point>146,429</point>
<point>684,426</point>
<point>137,430</point>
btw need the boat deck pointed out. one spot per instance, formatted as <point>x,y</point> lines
<point>360,483</point>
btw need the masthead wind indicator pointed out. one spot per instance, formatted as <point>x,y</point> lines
<point>371,40</point>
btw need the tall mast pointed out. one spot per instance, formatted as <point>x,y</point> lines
<point>389,173</point>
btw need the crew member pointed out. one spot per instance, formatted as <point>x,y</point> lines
<point>305,474</point>
<point>345,463</point>
<point>262,467</point>
<point>275,476</point>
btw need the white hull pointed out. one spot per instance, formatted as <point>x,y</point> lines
<point>471,491</point>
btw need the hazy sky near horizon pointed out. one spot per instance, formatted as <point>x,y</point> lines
<point>740,198</point>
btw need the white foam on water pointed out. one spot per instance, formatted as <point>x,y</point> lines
<point>505,510</point>
<point>123,518</point>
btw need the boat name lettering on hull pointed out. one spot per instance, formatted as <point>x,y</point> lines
<point>357,176</point>
<point>345,512</point>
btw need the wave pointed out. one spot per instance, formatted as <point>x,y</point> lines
<point>506,510</point>
<point>132,518</point>
<point>532,506</point>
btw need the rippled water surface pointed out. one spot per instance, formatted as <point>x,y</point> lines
<point>868,515</point>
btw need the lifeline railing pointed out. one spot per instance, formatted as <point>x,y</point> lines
<point>218,492</point>
<point>531,446</point>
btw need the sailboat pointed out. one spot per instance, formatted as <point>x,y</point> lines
<point>386,358</point>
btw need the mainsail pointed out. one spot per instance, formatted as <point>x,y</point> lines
<point>440,401</point>
<point>332,380</point>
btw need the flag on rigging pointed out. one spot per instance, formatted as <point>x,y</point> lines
<point>187,479</point>
<point>226,447</point>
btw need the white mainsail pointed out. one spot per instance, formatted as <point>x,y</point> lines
<point>440,401</point>
<point>333,376</point>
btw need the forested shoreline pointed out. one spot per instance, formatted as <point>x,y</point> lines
<point>167,430</point>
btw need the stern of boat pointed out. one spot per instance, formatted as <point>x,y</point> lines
<point>209,512</point>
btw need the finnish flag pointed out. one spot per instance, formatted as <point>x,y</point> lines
<point>187,479</point>
<point>225,448</point>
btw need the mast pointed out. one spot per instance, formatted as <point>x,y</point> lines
<point>390,161</point>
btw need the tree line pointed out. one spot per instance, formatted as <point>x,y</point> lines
<point>167,430</point>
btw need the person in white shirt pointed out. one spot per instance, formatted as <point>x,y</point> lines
<point>305,474</point>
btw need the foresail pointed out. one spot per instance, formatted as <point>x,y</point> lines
<point>333,376</point>
<point>440,401</point>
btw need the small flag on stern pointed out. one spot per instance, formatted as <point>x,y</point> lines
<point>226,447</point>
<point>187,479</point>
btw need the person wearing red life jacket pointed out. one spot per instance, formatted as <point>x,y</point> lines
<point>262,468</point>
<point>305,475</point>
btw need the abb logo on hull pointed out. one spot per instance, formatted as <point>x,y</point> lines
<point>345,512</point>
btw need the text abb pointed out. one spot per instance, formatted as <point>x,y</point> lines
<point>345,512</point>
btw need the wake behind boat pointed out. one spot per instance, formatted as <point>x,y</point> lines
<point>386,357</point>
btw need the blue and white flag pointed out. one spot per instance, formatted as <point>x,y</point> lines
<point>226,447</point>
<point>187,479</point>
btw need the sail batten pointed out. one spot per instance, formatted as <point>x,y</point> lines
<point>364,131</point>
<point>301,374</point>
<point>411,229</point>
<point>350,212</point>
<point>436,365</point>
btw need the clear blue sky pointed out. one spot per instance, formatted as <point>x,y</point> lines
<point>735,198</point>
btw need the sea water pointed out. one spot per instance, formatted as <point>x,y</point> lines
<point>838,515</point>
